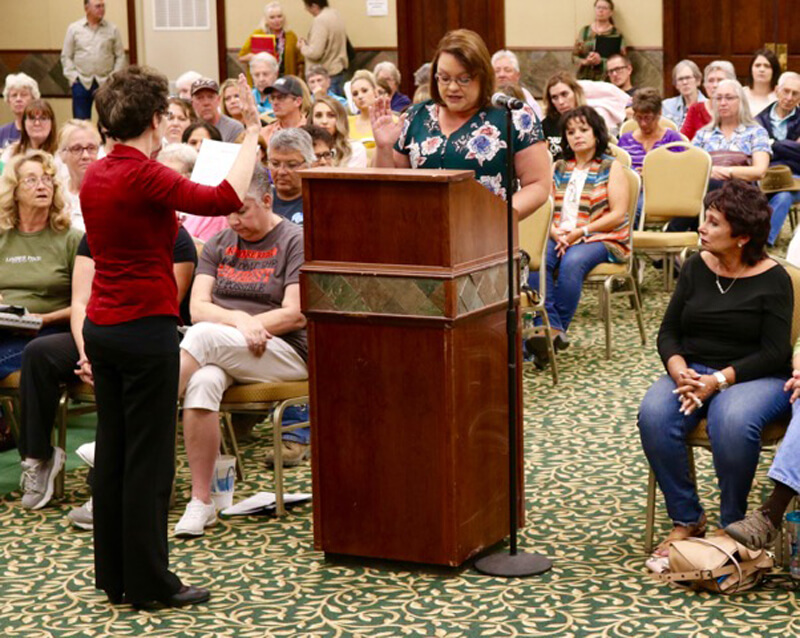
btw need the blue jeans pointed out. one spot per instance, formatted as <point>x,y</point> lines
<point>296,414</point>
<point>12,345</point>
<point>82,100</point>
<point>337,83</point>
<point>781,203</point>
<point>786,466</point>
<point>735,420</point>
<point>562,295</point>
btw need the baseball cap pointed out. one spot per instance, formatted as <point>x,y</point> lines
<point>287,86</point>
<point>204,84</point>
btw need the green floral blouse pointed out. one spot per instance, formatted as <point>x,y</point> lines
<point>479,145</point>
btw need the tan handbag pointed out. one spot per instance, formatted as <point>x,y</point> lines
<point>717,564</point>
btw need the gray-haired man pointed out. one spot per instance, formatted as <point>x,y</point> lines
<point>290,150</point>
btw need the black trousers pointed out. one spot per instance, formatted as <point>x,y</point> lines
<point>47,362</point>
<point>136,385</point>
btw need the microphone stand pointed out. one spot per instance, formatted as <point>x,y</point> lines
<point>516,563</point>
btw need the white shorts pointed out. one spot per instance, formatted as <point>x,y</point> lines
<point>224,358</point>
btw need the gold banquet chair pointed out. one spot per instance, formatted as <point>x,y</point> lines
<point>266,399</point>
<point>620,154</point>
<point>534,231</point>
<point>9,401</point>
<point>604,275</point>
<point>771,435</point>
<point>632,125</point>
<point>674,185</point>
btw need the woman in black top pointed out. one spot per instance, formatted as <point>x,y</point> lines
<point>725,341</point>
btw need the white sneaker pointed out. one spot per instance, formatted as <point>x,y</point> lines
<point>38,479</point>
<point>82,517</point>
<point>86,453</point>
<point>196,518</point>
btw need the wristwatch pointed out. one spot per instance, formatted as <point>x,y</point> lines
<point>722,381</point>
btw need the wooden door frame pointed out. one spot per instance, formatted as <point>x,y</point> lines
<point>133,48</point>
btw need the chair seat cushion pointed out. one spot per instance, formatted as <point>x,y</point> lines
<point>81,391</point>
<point>606,269</point>
<point>265,392</point>
<point>644,239</point>
<point>770,435</point>
<point>11,382</point>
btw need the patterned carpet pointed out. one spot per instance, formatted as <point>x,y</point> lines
<point>585,491</point>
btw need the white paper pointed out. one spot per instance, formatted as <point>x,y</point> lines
<point>261,501</point>
<point>214,162</point>
<point>377,7</point>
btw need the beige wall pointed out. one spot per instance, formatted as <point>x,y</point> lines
<point>555,23</point>
<point>61,106</point>
<point>243,17</point>
<point>41,24</point>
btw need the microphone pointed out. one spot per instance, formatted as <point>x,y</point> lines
<point>503,101</point>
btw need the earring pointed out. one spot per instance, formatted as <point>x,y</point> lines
<point>740,244</point>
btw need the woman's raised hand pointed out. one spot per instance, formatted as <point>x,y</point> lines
<point>250,116</point>
<point>385,129</point>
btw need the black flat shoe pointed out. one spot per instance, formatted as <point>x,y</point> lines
<point>537,345</point>
<point>187,595</point>
<point>561,342</point>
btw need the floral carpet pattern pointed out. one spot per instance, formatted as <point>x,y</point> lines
<point>585,492</point>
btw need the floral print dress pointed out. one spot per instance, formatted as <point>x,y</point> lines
<point>479,144</point>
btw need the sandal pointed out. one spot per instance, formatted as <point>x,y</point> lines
<point>680,533</point>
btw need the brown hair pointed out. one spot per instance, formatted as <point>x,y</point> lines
<point>38,107</point>
<point>561,77</point>
<point>748,212</point>
<point>470,50</point>
<point>647,100</point>
<point>130,98</point>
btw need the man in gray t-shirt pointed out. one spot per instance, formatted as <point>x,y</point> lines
<point>248,328</point>
<point>205,101</point>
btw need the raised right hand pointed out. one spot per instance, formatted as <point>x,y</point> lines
<point>250,115</point>
<point>385,128</point>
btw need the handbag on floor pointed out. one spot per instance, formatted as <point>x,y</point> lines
<point>718,564</point>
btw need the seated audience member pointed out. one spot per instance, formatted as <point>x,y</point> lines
<point>20,89</point>
<point>264,69</point>
<point>288,53</point>
<point>246,330</point>
<point>319,83</point>
<point>620,70</point>
<point>180,115</point>
<point>290,150</point>
<point>590,224</point>
<point>322,142</point>
<point>562,94</point>
<point>231,104</point>
<point>206,101</point>
<point>764,72</point>
<point>781,120</point>
<point>724,342</point>
<point>183,85</point>
<point>78,145</point>
<point>39,131</point>
<point>56,359</point>
<point>196,132</point>
<point>330,115</point>
<point>422,83</point>
<point>699,114</point>
<point>759,529</point>
<point>389,73</point>
<point>506,71</point>
<point>686,78</point>
<point>364,90</point>
<point>287,98</point>
<point>651,133</point>
<point>37,251</point>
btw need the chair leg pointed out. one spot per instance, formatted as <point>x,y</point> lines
<point>551,352</point>
<point>61,432</point>
<point>277,427</point>
<point>650,516</point>
<point>227,423</point>
<point>606,301</point>
<point>637,308</point>
<point>12,414</point>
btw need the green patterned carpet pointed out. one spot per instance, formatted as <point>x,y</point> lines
<point>585,491</point>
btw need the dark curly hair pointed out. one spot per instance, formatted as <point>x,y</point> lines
<point>593,119</point>
<point>748,212</point>
<point>127,103</point>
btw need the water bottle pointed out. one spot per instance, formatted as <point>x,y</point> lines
<point>793,534</point>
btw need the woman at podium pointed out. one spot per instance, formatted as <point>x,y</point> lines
<point>458,128</point>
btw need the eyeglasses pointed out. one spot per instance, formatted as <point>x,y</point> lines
<point>726,98</point>
<point>445,80</point>
<point>32,181</point>
<point>325,155</point>
<point>684,78</point>
<point>616,70</point>
<point>39,119</point>
<point>289,166</point>
<point>77,150</point>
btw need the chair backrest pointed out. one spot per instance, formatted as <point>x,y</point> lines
<point>632,125</point>
<point>534,231</point>
<point>620,154</point>
<point>675,183</point>
<point>794,274</point>
<point>634,184</point>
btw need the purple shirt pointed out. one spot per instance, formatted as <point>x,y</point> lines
<point>8,135</point>
<point>636,150</point>
<point>399,102</point>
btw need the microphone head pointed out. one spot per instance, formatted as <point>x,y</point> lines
<point>503,101</point>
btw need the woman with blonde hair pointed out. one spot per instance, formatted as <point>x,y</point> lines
<point>329,114</point>
<point>364,89</point>
<point>230,105</point>
<point>290,60</point>
<point>78,146</point>
<point>35,223</point>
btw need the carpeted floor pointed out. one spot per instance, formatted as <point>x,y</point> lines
<point>585,489</point>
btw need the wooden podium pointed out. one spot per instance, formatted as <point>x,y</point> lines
<point>405,287</point>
